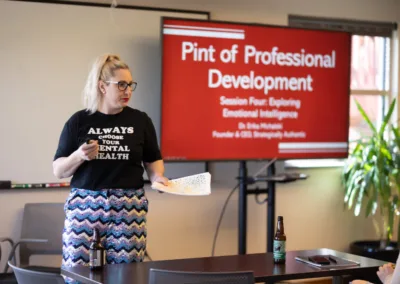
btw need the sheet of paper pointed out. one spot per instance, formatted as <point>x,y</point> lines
<point>195,185</point>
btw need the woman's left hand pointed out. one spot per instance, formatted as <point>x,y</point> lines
<point>385,271</point>
<point>161,179</point>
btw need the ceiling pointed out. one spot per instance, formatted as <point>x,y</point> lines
<point>386,10</point>
<point>204,5</point>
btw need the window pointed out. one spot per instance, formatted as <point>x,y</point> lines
<point>370,72</point>
<point>369,82</point>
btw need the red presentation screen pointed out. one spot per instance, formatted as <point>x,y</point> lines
<point>233,91</point>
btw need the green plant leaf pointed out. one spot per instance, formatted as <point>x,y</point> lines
<point>391,212</point>
<point>368,152</point>
<point>359,147</point>
<point>366,118</point>
<point>354,182</point>
<point>396,134</point>
<point>386,153</point>
<point>348,176</point>
<point>371,208</point>
<point>375,193</point>
<point>348,194</point>
<point>387,118</point>
<point>353,195</point>
<point>385,187</point>
<point>362,192</point>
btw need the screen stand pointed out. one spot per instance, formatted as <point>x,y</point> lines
<point>243,192</point>
<point>270,179</point>
<point>270,208</point>
<point>242,207</point>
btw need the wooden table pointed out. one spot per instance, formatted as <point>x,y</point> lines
<point>261,264</point>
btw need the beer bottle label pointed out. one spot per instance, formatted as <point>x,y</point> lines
<point>96,258</point>
<point>279,249</point>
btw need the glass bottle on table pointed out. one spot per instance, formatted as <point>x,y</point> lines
<point>96,252</point>
<point>280,242</point>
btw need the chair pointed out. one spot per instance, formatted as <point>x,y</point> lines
<point>10,241</point>
<point>27,276</point>
<point>158,276</point>
<point>7,278</point>
<point>41,234</point>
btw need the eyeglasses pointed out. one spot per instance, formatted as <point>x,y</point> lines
<point>123,85</point>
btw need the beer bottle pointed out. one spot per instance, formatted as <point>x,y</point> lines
<point>280,242</point>
<point>96,252</point>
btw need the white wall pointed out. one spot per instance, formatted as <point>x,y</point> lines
<point>313,209</point>
<point>45,64</point>
<point>275,12</point>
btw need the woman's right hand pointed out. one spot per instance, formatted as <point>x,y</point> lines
<point>88,151</point>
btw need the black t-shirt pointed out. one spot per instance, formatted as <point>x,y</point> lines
<point>125,141</point>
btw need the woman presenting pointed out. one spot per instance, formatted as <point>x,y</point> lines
<point>105,148</point>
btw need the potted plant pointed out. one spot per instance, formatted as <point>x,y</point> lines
<point>371,178</point>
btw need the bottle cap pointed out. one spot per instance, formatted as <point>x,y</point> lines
<point>96,235</point>
<point>280,218</point>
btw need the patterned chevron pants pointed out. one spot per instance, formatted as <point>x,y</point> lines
<point>120,217</point>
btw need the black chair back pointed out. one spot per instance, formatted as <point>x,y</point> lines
<point>26,276</point>
<point>159,276</point>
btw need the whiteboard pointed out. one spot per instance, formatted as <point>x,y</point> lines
<point>45,52</point>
